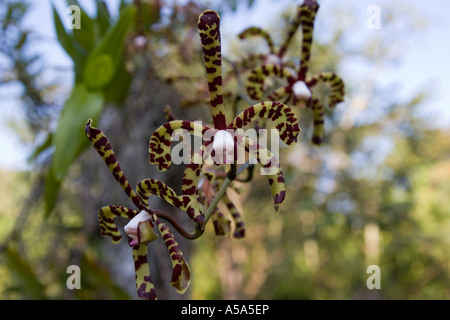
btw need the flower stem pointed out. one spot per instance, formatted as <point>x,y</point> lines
<point>223,188</point>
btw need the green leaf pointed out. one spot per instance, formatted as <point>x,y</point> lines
<point>24,277</point>
<point>117,91</point>
<point>69,138</point>
<point>41,148</point>
<point>70,45</point>
<point>99,71</point>
<point>103,16</point>
<point>51,190</point>
<point>112,45</point>
<point>86,34</point>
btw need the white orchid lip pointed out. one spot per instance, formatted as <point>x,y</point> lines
<point>223,146</point>
<point>301,91</point>
<point>273,59</point>
<point>132,226</point>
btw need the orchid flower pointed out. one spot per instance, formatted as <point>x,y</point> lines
<point>281,115</point>
<point>275,55</point>
<point>298,86</point>
<point>140,229</point>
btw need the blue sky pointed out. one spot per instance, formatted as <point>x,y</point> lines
<point>424,64</point>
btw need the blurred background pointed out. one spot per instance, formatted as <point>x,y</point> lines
<point>376,192</point>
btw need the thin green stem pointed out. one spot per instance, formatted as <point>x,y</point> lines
<point>198,231</point>
<point>222,190</point>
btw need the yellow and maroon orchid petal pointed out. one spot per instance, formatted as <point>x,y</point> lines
<point>258,32</point>
<point>106,216</point>
<point>186,203</point>
<point>293,27</point>
<point>144,284</point>
<point>181,275</point>
<point>280,114</point>
<point>145,232</point>
<point>250,61</point>
<point>222,225</point>
<point>318,118</point>
<point>192,172</point>
<point>257,77</point>
<point>279,94</point>
<point>337,92</point>
<point>270,166</point>
<point>308,11</point>
<point>168,114</point>
<point>104,149</point>
<point>239,227</point>
<point>159,149</point>
<point>209,31</point>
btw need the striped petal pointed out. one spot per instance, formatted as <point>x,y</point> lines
<point>144,284</point>
<point>307,15</point>
<point>262,155</point>
<point>282,93</point>
<point>186,203</point>
<point>209,31</point>
<point>250,61</point>
<point>189,184</point>
<point>318,118</point>
<point>159,149</point>
<point>104,149</point>
<point>106,216</point>
<point>258,32</point>
<point>239,227</point>
<point>280,114</point>
<point>257,77</point>
<point>293,27</point>
<point>181,275</point>
<point>337,92</point>
<point>222,225</point>
<point>271,168</point>
<point>168,114</point>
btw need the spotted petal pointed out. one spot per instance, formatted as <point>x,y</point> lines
<point>209,31</point>
<point>270,167</point>
<point>186,203</point>
<point>308,11</point>
<point>258,76</point>
<point>239,227</point>
<point>281,94</point>
<point>258,32</point>
<point>318,118</point>
<point>106,216</point>
<point>159,149</point>
<point>337,92</point>
<point>104,149</point>
<point>280,114</point>
<point>144,284</point>
<point>293,27</point>
<point>181,275</point>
